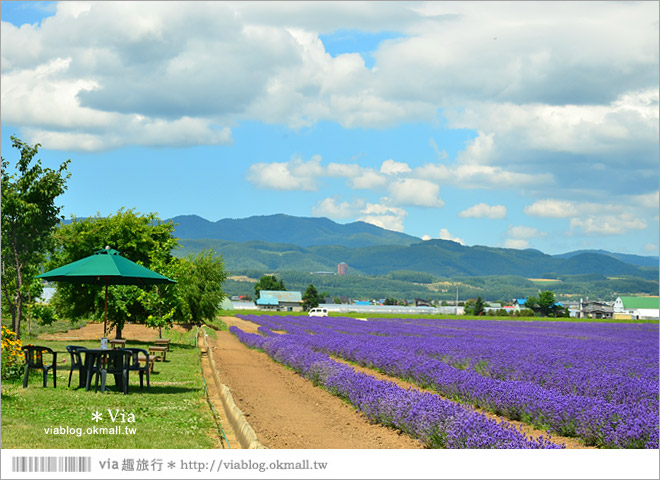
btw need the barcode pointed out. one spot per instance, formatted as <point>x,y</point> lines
<point>51,464</point>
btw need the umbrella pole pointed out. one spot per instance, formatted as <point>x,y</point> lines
<point>105,318</point>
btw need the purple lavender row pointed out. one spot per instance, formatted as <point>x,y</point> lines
<point>424,416</point>
<point>630,424</point>
<point>615,369</point>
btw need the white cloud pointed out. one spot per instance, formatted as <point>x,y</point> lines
<point>608,224</point>
<point>593,87</point>
<point>472,169</point>
<point>294,175</point>
<point>483,210</point>
<point>426,237</point>
<point>413,191</point>
<point>445,235</point>
<point>551,208</point>
<point>390,167</point>
<point>516,243</point>
<point>384,216</point>
<point>651,247</point>
<point>367,179</point>
<point>332,208</point>
<point>522,232</point>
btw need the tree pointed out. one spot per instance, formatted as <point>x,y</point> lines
<point>200,285</point>
<point>547,303</point>
<point>29,215</point>
<point>474,307</point>
<point>268,282</point>
<point>479,306</point>
<point>144,239</point>
<point>311,298</point>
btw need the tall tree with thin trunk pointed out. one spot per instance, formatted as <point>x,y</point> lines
<point>29,215</point>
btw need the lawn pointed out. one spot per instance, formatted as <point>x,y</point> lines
<point>172,414</point>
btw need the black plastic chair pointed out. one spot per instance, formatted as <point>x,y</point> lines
<point>34,360</point>
<point>135,364</point>
<point>76,359</point>
<point>114,362</point>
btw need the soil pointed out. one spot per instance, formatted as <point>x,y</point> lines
<point>94,331</point>
<point>287,411</point>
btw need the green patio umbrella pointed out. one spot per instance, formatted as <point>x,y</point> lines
<point>105,267</point>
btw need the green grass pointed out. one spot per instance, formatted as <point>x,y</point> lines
<point>31,330</point>
<point>172,414</point>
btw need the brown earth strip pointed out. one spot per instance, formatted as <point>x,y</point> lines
<point>287,411</point>
<point>570,443</point>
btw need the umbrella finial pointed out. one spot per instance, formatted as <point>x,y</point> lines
<point>107,247</point>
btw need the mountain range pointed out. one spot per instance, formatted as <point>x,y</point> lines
<point>283,242</point>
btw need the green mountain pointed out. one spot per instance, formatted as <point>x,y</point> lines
<point>638,260</point>
<point>441,258</point>
<point>281,228</point>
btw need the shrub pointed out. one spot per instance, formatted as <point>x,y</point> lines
<point>13,359</point>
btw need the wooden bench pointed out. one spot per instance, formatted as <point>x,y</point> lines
<point>142,358</point>
<point>117,343</point>
<point>158,351</point>
<point>163,342</point>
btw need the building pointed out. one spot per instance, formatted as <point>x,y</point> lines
<point>342,269</point>
<point>595,309</point>
<point>635,308</point>
<point>286,301</point>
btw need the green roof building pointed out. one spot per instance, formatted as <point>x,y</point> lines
<point>638,307</point>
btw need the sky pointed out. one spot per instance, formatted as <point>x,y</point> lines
<point>516,125</point>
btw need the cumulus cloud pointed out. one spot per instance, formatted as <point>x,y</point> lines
<point>521,232</point>
<point>390,167</point>
<point>445,235</point>
<point>415,192</point>
<point>294,175</point>
<point>483,210</point>
<point>332,208</point>
<point>474,169</point>
<point>384,216</point>
<point>551,208</point>
<point>220,62</point>
<point>517,243</point>
<point>608,224</point>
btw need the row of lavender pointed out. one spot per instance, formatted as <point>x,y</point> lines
<point>437,423</point>
<point>596,382</point>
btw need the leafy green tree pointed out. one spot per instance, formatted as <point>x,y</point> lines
<point>29,215</point>
<point>479,307</point>
<point>144,239</point>
<point>311,298</point>
<point>268,282</point>
<point>200,285</point>
<point>547,303</point>
<point>474,307</point>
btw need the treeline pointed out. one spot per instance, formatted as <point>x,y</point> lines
<point>410,285</point>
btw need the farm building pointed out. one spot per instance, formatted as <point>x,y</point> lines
<point>635,308</point>
<point>594,309</point>
<point>280,300</point>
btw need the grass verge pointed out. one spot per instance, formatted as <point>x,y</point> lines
<point>172,414</point>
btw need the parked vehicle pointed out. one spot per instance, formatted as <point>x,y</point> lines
<point>318,312</point>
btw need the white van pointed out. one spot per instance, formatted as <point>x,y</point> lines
<point>318,312</point>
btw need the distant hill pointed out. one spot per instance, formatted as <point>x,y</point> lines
<point>288,229</point>
<point>438,257</point>
<point>638,260</point>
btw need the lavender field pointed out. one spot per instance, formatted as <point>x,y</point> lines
<point>596,382</point>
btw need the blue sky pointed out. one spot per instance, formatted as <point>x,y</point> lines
<point>525,125</point>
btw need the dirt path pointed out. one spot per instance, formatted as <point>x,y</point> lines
<point>287,411</point>
<point>94,331</point>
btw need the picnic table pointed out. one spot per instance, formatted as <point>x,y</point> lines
<point>159,351</point>
<point>118,343</point>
